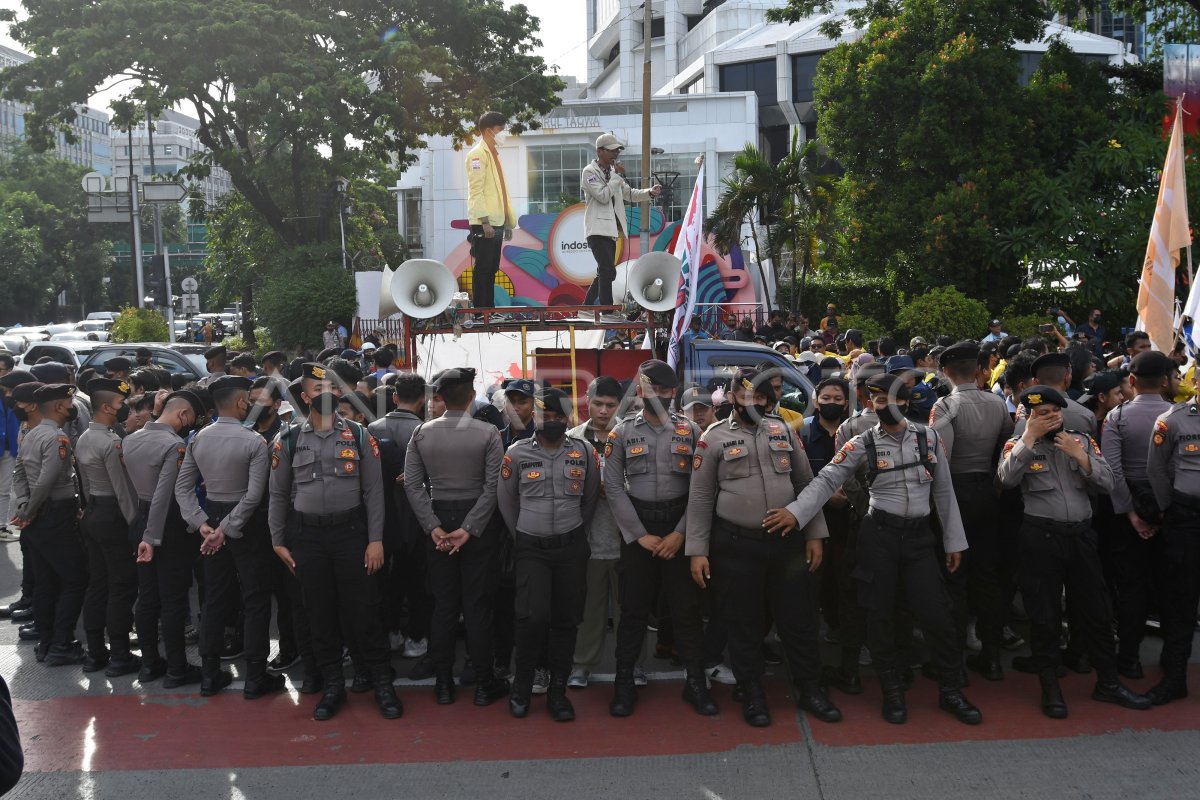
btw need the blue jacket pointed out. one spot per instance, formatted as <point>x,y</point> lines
<point>10,429</point>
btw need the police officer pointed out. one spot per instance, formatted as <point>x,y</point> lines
<point>1173,469</point>
<point>326,519</point>
<point>234,463</point>
<point>1054,468</point>
<point>166,551</point>
<point>647,472</point>
<point>44,490</point>
<point>117,368</point>
<point>214,361</point>
<point>549,485</point>
<point>111,505</point>
<point>746,464</point>
<point>974,425</point>
<point>450,475</point>
<point>1134,549</point>
<point>1054,370</point>
<point>896,553</point>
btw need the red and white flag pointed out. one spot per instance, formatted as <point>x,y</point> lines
<point>687,250</point>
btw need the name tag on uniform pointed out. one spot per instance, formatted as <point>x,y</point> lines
<point>476,163</point>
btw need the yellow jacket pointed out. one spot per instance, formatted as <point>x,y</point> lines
<point>1186,391</point>
<point>486,196</point>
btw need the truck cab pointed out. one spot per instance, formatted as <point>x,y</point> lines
<point>711,362</point>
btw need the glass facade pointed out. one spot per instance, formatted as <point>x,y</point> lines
<point>751,76</point>
<point>804,70</point>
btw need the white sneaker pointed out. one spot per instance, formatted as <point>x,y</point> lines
<point>579,678</point>
<point>864,657</point>
<point>8,534</point>
<point>541,681</point>
<point>415,648</point>
<point>639,677</point>
<point>721,674</point>
<point>396,641</point>
<point>1012,640</point>
<point>973,643</point>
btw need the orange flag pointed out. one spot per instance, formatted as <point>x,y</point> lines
<point>1168,235</point>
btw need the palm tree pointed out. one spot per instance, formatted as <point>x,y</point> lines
<point>750,187</point>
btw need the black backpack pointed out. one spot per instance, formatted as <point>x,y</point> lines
<point>873,470</point>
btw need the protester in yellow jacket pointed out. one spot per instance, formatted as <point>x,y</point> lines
<point>489,209</point>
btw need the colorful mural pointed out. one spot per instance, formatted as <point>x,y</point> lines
<point>548,261</point>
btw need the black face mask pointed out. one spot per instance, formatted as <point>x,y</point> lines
<point>553,431</point>
<point>750,415</point>
<point>655,405</point>
<point>891,415</point>
<point>122,413</point>
<point>73,414</point>
<point>831,411</point>
<point>21,414</point>
<point>324,404</point>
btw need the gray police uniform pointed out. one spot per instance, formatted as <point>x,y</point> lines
<point>1076,417</point>
<point>741,472</point>
<point>974,425</point>
<point>44,493</point>
<point>153,456</point>
<point>545,496</point>
<point>896,548</point>
<point>1127,432</point>
<point>111,505</point>
<point>234,462</point>
<point>1058,548</point>
<point>1173,469</point>
<point>450,476</point>
<point>326,506</point>
<point>647,473</point>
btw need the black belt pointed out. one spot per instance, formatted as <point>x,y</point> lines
<point>54,502</point>
<point>1057,526</point>
<point>896,521</point>
<point>659,511</point>
<point>329,520</point>
<point>451,506</point>
<point>218,509</point>
<point>972,477</point>
<point>103,501</point>
<point>551,542</point>
<point>1185,502</point>
<point>738,531</point>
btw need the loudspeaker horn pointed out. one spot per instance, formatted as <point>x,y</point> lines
<point>387,306</point>
<point>654,281</point>
<point>422,288</point>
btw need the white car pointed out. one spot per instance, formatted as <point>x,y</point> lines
<point>107,316</point>
<point>71,352</point>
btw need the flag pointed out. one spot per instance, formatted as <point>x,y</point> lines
<point>1168,235</point>
<point>687,250</point>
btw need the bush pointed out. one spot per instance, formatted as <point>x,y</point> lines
<point>944,311</point>
<point>139,325</point>
<point>1023,325</point>
<point>262,340</point>
<point>858,296</point>
<point>871,327</point>
<point>295,304</point>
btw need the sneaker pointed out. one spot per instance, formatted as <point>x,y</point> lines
<point>396,641</point>
<point>415,648</point>
<point>191,635</point>
<point>864,657</point>
<point>422,670</point>
<point>8,534</point>
<point>1010,639</point>
<point>973,643</point>
<point>579,678</point>
<point>541,681</point>
<point>721,673</point>
<point>639,677</point>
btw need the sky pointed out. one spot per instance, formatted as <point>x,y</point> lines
<point>564,32</point>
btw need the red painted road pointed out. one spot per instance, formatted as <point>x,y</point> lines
<point>131,732</point>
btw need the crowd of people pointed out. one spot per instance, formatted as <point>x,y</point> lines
<point>367,512</point>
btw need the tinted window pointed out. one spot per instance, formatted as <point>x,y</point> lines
<point>804,69</point>
<point>751,76</point>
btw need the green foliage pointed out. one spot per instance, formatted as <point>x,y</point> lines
<point>943,311</point>
<point>262,341</point>
<point>139,325</point>
<point>296,302</point>
<point>852,293</point>
<point>871,327</point>
<point>1023,325</point>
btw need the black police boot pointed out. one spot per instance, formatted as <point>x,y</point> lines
<point>259,682</point>
<point>844,678</point>
<point>362,683</point>
<point>41,650</point>
<point>95,659</point>
<point>987,664</point>
<point>443,687</point>
<point>64,655</point>
<point>1168,689</point>
<point>390,706</point>
<point>331,700</point>
<point>557,702</point>
<point>313,681</point>
<point>895,710</point>
<point>190,674</point>
<point>28,633</point>
<point>21,614</point>
<point>1114,691</point>
<point>213,678</point>
<point>754,705</point>
<point>811,697</point>
<point>1130,668</point>
<point>490,690</point>
<point>122,664</point>
<point>1054,705</point>
<point>1027,665</point>
<point>952,700</point>
<point>696,695</point>
<point>152,670</point>
<point>624,694</point>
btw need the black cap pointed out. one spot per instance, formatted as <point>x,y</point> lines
<point>963,351</point>
<point>554,400</point>
<point>49,392</point>
<point>604,386</point>
<point>228,382</point>
<point>1099,382</point>
<point>24,393</point>
<point>888,384</point>
<point>450,377</point>
<point>1050,360</point>
<point>696,396</point>
<point>119,364</point>
<point>215,352</point>
<point>316,372</point>
<point>1040,395</point>
<point>51,372</point>
<point>1152,364</point>
<point>16,378</point>
<point>867,371</point>
<point>749,378</point>
<point>142,352</point>
<point>194,399</point>
<point>275,355</point>
<point>658,373</point>
<point>109,385</point>
<point>520,386</point>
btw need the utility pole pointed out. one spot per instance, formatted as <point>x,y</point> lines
<point>135,213</point>
<point>158,234</point>
<point>645,205</point>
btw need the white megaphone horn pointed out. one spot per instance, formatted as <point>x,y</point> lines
<point>387,306</point>
<point>421,288</point>
<point>654,279</point>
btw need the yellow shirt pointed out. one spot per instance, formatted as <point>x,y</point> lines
<point>486,196</point>
<point>1186,386</point>
<point>1001,365</point>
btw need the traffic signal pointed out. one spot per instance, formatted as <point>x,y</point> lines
<point>156,280</point>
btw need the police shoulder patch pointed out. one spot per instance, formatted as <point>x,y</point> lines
<point>506,471</point>
<point>697,460</point>
<point>1095,445</point>
<point>839,457</point>
<point>374,445</point>
<point>1008,448</point>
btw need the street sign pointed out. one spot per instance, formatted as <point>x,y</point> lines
<point>163,192</point>
<point>190,303</point>
<point>189,284</point>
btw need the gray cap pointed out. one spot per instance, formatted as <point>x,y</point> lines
<point>606,141</point>
<point>695,396</point>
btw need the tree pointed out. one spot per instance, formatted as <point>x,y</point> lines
<point>140,325</point>
<point>295,307</point>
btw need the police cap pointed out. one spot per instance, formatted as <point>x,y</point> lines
<point>695,396</point>
<point>451,377</point>
<point>1152,364</point>
<point>24,393</point>
<point>192,398</point>
<point>51,372</point>
<point>16,378</point>
<point>520,386</point>
<point>1040,395</point>
<point>1050,360</point>
<point>555,400</point>
<point>49,392</point>
<point>230,382</point>
<point>888,384</point>
<point>316,372</point>
<point>118,364</point>
<point>658,373</point>
<point>109,385</point>
<point>750,379</point>
<point>963,351</point>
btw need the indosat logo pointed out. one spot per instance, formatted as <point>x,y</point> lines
<point>572,247</point>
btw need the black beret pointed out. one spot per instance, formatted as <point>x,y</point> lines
<point>215,352</point>
<point>887,384</point>
<point>109,385</point>
<point>274,355</point>
<point>452,377</point>
<point>749,378</point>
<point>554,400</point>
<point>1050,360</point>
<point>605,386</point>
<point>120,364</point>
<point>51,372</point>
<point>1099,382</point>
<point>316,372</point>
<point>228,382</point>
<point>1039,395</point>
<point>192,398</point>
<point>963,351</point>
<point>659,373</point>
<point>16,378</point>
<point>24,393</point>
<point>49,392</point>
<point>1152,364</point>
<point>142,352</point>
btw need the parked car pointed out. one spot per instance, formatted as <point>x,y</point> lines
<point>107,316</point>
<point>94,325</point>
<point>81,336</point>
<point>71,353</point>
<point>178,359</point>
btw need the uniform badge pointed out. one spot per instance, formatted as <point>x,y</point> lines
<point>63,444</point>
<point>774,427</point>
<point>1160,432</point>
<point>348,435</point>
<point>476,163</point>
<point>734,452</point>
<point>681,464</point>
<point>348,467</point>
<point>1095,446</point>
<point>506,472</point>
<point>637,451</point>
<point>785,462</point>
<point>881,464</point>
<point>697,460</point>
<point>839,457</point>
<point>608,448</point>
<point>682,430</point>
<point>682,449</point>
<point>374,445</point>
<point>532,475</point>
<point>1037,466</point>
<point>576,487</point>
<point>848,446</point>
<point>703,444</point>
<point>347,453</point>
<point>575,472</point>
<point>278,446</point>
<point>1008,448</point>
<point>274,461</point>
<point>179,451</point>
<point>575,454</point>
